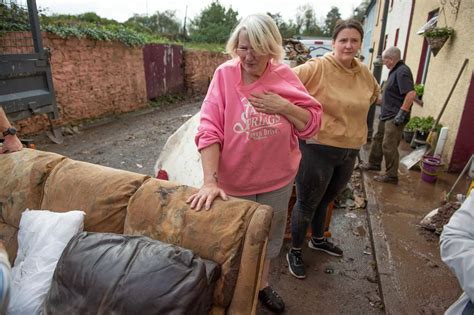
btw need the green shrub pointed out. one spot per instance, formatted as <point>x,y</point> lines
<point>15,18</point>
<point>104,33</point>
<point>423,124</point>
<point>426,124</point>
<point>413,124</point>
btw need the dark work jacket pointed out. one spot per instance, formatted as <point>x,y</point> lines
<point>399,83</point>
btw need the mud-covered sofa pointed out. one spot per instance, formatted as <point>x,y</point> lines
<point>233,233</point>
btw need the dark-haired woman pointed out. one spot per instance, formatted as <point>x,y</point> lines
<point>346,88</point>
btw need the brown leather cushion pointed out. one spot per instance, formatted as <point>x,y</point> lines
<point>101,192</point>
<point>22,179</point>
<point>107,273</point>
<point>159,210</point>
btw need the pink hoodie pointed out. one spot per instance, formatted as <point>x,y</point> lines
<point>258,152</point>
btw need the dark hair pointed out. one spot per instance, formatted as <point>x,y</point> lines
<point>343,24</point>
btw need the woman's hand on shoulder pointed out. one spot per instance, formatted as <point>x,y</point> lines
<point>269,103</point>
<point>205,196</point>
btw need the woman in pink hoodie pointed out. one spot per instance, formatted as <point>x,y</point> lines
<point>253,114</point>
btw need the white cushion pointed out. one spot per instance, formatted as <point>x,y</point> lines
<point>42,237</point>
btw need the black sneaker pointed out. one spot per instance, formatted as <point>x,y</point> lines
<point>295,263</point>
<point>271,300</point>
<point>325,246</point>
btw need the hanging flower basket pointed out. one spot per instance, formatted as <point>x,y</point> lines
<point>436,37</point>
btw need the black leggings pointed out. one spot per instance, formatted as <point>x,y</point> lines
<point>324,171</point>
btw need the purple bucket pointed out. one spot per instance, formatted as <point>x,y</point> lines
<point>429,168</point>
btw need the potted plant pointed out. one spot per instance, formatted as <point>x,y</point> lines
<point>437,36</point>
<point>410,128</point>
<point>424,126</point>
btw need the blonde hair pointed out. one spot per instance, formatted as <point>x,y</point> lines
<point>264,36</point>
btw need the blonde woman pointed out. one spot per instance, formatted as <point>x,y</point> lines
<point>253,114</point>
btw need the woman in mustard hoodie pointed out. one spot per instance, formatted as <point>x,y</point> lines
<point>345,88</point>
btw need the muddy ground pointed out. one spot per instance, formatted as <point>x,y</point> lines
<point>345,285</point>
<point>131,141</point>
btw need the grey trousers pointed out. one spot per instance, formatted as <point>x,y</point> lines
<point>385,145</point>
<point>278,200</point>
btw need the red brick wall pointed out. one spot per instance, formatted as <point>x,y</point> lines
<point>92,79</point>
<point>98,78</point>
<point>199,67</point>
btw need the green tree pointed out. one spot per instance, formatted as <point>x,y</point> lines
<point>214,24</point>
<point>306,23</point>
<point>91,17</point>
<point>287,30</point>
<point>139,22</point>
<point>84,18</point>
<point>360,11</point>
<point>331,19</point>
<point>164,24</point>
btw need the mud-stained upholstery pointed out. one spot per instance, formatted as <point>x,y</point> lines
<point>22,177</point>
<point>101,192</point>
<point>232,233</point>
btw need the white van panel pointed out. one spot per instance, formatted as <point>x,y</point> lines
<point>317,47</point>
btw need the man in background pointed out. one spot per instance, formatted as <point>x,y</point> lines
<point>398,97</point>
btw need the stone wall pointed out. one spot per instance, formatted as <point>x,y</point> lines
<point>199,67</point>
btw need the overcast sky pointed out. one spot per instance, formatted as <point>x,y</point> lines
<point>121,10</point>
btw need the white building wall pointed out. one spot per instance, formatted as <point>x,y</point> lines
<point>398,18</point>
<point>369,25</point>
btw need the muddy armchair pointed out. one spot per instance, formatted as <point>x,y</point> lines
<point>233,233</point>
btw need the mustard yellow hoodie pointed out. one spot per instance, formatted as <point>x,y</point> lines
<point>345,94</point>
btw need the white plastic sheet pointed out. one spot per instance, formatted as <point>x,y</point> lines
<point>180,157</point>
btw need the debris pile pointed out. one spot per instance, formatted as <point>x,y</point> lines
<point>352,197</point>
<point>296,51</point>
<point>436,219</point>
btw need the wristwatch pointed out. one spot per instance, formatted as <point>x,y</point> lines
<point>9,131</point>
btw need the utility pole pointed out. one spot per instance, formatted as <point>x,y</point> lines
<point>184,25</point>
<point>378,64</point>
